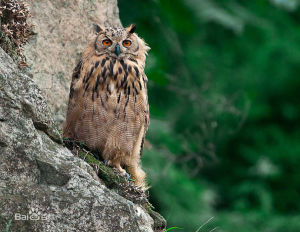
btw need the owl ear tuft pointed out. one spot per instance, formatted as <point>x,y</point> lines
<point>97,28</point>
<point>131,28</point>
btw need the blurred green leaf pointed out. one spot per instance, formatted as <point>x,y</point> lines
<point>225,111</point>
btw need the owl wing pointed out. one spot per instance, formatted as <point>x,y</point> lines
<point>75,77</point>
<point>67,131</point>
<point>147,119</point>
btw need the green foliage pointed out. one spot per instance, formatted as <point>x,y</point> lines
<point>8,46</point>
<point>114,180</point>
<point>8,225</point>
<point>225,111</point>
<point>173,228</point>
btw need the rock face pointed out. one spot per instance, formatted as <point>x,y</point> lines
<point>41,179</point>
<point>62,30</point>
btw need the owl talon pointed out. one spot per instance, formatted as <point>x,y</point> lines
<point>127,176</point>
<point>107,162</point>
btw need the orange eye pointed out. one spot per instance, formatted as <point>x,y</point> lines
<point>126,43</point>
<point>106,42</point>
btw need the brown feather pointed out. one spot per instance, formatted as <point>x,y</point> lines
<point>108,108</point>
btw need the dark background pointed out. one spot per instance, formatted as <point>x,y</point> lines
<point>224,94</point>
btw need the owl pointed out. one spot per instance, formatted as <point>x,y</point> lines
<point>108,104</point>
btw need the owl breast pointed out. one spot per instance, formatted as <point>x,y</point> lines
<point>108,107</point>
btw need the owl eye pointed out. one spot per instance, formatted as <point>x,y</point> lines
<point>106,42</point>
<point>126,43</point>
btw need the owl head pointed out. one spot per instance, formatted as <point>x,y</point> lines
<point>119,43</point>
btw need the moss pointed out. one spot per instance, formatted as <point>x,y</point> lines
<point>113,180</point>
<point>8,225</point>
<point>8,46</point>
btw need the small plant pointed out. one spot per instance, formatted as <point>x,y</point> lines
<point>206,226</point>
<point>203,227</point>
<point>14,27</point>
<point>7,228</point>
<point>173,228</point>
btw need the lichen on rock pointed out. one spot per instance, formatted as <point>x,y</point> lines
<point>40,177</point>
<point>62,29</point>
<point>44,186</point>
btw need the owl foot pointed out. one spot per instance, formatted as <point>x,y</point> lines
<point>115,165</point>
<point>127,176</point>
<point>118,167</point>
<point>139,176</point>
<point>123,172</point>
<point>107,162</point>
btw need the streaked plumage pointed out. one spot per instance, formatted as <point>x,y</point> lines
<point>108,105</point>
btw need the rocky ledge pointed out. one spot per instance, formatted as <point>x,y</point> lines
<point>46,187</point>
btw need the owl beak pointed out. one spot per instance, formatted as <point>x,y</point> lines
<point>117,49</point>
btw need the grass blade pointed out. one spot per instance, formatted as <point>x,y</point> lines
<point>173,228</point>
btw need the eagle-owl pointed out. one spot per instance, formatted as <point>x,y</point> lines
<point>108,104</point>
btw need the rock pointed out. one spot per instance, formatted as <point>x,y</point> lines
<point>41,179</point>
<point>62,30</point>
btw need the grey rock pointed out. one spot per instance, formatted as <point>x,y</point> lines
<point>41,179</point>
<point>62,30</point>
